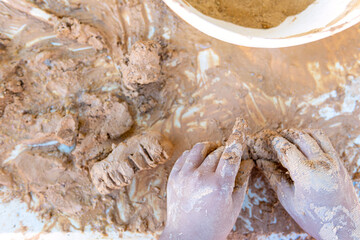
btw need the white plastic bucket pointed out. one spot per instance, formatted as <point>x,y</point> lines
<point>321,19</point>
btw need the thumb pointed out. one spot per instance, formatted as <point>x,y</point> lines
<point>230,160</point>
<point>241,181</point>
<point>277,176</point>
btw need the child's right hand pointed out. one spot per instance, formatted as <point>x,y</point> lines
<point>313,185</point>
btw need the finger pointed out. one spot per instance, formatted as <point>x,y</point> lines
<point>290,157</point>
<point>277,176</point>
<point>242,181</point>
<point>306,144</point>
<point>229,162</point>
<point>179,163</point>
<point>197,155</point>
<point>323,141</point>
<point>211,161</point>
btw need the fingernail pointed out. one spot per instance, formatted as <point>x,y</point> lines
<point>185,152</point>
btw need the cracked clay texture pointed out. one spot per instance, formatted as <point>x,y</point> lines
<point>86,81</point>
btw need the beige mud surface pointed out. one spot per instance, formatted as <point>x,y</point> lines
<point>261,14</point>
<point>57,89</point>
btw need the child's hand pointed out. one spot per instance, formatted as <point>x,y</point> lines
<point>313,185</point>
<point>206,190</point>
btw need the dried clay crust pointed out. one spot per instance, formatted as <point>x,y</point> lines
<point>140,152</point>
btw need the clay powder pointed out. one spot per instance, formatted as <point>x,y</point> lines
<point>251,13</point>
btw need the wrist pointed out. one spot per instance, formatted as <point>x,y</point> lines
<point>351,230</point>
<point>344,225</point>
<point>171,232</point>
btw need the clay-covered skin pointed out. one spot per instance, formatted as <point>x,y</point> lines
<point>259,145</point>
<point>140,152</point>
<point>206,189</point>
<point>313,185</point>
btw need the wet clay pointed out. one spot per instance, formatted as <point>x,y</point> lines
<point>67,105</point>
<point>259,145</point>
<point>101,122</point>
<point>251,13</point>
<point>140,152</point>
<point>74,120</point>
<point>142,66</point>
<point>71,28</point>
<point>3,42</point>
<point>142,75</point>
